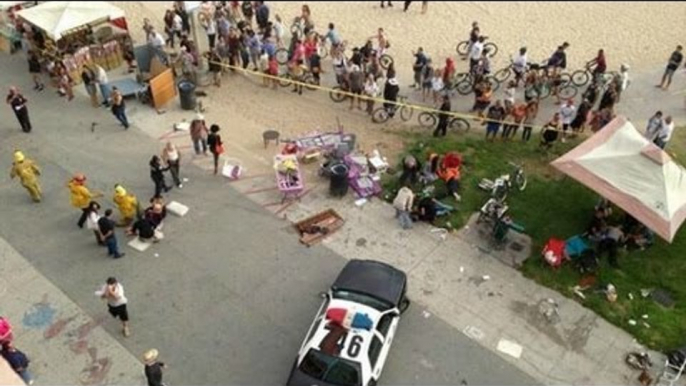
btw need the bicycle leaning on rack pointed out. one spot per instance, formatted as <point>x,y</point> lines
<point>500,187</point>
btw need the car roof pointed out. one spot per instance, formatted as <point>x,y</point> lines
<point>372,278</point>
<point>328,327</point>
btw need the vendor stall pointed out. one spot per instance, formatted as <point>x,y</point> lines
<point>78,33</point>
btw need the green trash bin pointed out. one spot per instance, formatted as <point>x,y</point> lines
<point>187,95</point>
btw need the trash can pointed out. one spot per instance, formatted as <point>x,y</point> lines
<point>339,180</point>
<point>187,95</point>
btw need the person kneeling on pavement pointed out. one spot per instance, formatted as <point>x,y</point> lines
<point>403,206</point>
<point>145,230</point>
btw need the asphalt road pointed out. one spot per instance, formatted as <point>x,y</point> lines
<point>232,292</point>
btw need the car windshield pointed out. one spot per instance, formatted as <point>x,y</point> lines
<point>367,300</point>
<point>336,371</point>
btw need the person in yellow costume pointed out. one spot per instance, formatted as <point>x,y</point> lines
<point>127,204</point>
<point>81,196</point>
<point>28,173</point>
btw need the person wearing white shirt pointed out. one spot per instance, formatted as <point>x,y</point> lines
<point>475,54</point>
<point>103,84</point>
<point>567,114</point>
<point>519,65</point>
<point>113,292</point>
<point>623,80</point>
<point>403,207</point>
<point>156,40</point>
<point>371,89</point>
<point>177,24</point>
<point>665,133</point>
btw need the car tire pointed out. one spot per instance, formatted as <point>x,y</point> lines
<point>404,305</point>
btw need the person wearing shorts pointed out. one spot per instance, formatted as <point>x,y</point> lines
<point>495,116</point>
<point>113,292</point>
<point>674,61</point>
<point>356,85</point>
<point>550,132</point>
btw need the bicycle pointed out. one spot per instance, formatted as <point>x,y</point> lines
<point>466,85</point>
<point>286,80</point>
<point>546,83</point>
<point>500,187</point>
<point>429,120</point>
<point>581,78</point>
<point>381,115</point>
<point>463,48</point>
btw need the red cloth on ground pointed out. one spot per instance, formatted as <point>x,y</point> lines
<point>557,247</point>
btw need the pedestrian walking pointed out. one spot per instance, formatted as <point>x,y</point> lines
<point>153,368</point>
<point>623,80</point>
<point>18,361</point>
<point>18,103</point>
<point>665,133</point>
<point>172,158</point>
<point>653,127</point>
<point>107,235</point>
<point>28,173</point>
<point>80,196</point>
<point>103,84</point>
<point>390,4</point>
<point>406,5</point>
<point>113,292</point>
<point>157,175</point>
<point>92,221</point>
<point>127,204</point>
<point>199,134</point>
<point>214,141</point>
<point>442,125</point>
<point>672,65</point>
<point>119,107</point>
<point>66,84</point>
<point>35,70</point>
<point>88,78</point>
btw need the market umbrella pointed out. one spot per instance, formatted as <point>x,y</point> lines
<point>622,166</point>
<point>57,18</point>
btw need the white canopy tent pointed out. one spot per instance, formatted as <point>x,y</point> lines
<point>57,18</point>
<point>634,174</point>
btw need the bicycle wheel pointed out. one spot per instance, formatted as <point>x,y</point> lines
<point>323,51</point>
<point>520,180</point>
<point>310,83</point>
<point>459,77</point>
<point>565,79</point>
<point>495,85</point>
<point>462,48</point>
<point>282,56</point>
<point>503,74</point>
<point>385,61</point>
<point>464,87</point>
<point>580,78</point>
<point>459,125</point>
<point>406,113</point>
<point>492,49</point>
<point>567,91</point>
<point>296,30</point>
<point>336,95</point>
<point>285,80</point>
<point>380,115</point>
<point>426,119</point>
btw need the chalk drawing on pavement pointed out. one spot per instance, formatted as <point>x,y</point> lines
<point>96,371</point>
<point>57,327</point>
<point>40,315</point>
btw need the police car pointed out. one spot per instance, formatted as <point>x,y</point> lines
<point>350,338</point>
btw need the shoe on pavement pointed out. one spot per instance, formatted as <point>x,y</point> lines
<point>180,186</point>
<point>120,255</point>
<point>126,332</point>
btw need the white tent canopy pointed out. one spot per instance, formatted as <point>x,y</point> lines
<point>58,17</point>
<point>624,167</point>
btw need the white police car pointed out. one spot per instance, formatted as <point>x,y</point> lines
<point>349,341</point>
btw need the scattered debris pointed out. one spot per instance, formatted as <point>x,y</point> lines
<point>486,277</point>
<point>313,229</point>
<point>577,290</point>
<point>611,293</point>
<point>646,292</point>
<point>461,269</point>
<point>549,309</point>
<point>185,179</point>
<point>646,325</point>
<point>630,296</point>
<point>473,333</point>
<point>442,232</point>
<point>663,298</point>
<point>177,208</point>
<point>426,314</point>
<point>157,255</point>
<point>632,322</point>
<point>645,316</point>
<point>360,202</point>
<point>510,348</point>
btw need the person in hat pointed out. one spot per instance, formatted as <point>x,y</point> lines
<point>28,173</point>
<point>153,368</point>
<point>80,196</point>
<point>390,94</point>
<point>113,292</point>
<point>18,103</point>
<point>127,204</point>
<point>199,133</point>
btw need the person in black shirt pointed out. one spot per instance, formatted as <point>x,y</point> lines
<point>107,235</point>
<point>35,71</point>
<point>214,142</point>
<point>144,229</point>
<point>17,361</point>
<point>88,78</point>
<point>442,126</point>
<point>157,175</point>
<point>18,104</point>
<point>674,61</point>
<point>390,94</point>
<point>153,368</point>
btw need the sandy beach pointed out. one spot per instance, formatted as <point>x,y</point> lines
<point>641,34</point>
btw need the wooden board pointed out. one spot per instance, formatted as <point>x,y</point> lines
<point>329,219</point>
<point>163,88</point>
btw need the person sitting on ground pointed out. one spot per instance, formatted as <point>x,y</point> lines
<point>411,170</point>
<point>429,209</point>
<point>449,172</point>
<point>428,174</point>
<point>612,238</point>
<point>156,212</point>
<point>145,230</point>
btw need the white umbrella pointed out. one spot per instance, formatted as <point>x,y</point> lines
<point>58,17</point>
<point>622,166</point>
